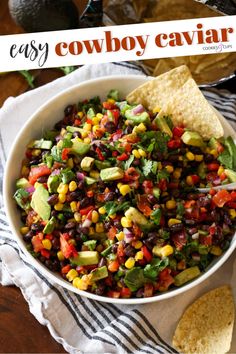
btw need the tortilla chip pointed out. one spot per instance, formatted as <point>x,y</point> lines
<point>156,92</point>
<point>206,327</point>
<point>189,107</point>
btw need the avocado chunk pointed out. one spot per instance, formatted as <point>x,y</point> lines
<point>231,175</point>
<point>99,273</point>
<point>87,163</point>
<point>202,170</point>
<point>49,227</point>
<point>134,215</point>
<point>79,147</point>
<point>89,180</point>
<point>102,164</point>
<point>187,275</point>
<point>40,144</point>
<point>163,125</point>
<point>91,113</point>
<point>193,139</point>
<point>71,129</point>
<point>213,143</point>
<point>137,118</point>
<point>39,202</point>
<point>22,183</point>
<point>53,183</point>
<point>111,174</point>
<point>91,244</point>
<point>107,251</point>
<point>85,258</point>
<point>21,196</point>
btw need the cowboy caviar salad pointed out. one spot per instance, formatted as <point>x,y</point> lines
<point>109,199</point>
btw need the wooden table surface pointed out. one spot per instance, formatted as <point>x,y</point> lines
<point>20,332</point>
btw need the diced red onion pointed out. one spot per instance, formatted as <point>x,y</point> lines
<point>87,223</point>
<point>217,181</point>
<point>56,172</point>
<point>196,257</point>
<point>138,109</point>
<point>80,176</point>
<point>30,189</point>
<point>128,235</point>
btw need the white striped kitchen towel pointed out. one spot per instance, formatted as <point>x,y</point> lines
<point>79,324</point>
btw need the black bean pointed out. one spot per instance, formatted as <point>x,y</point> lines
<point>128,129</point>
<point>209,158</point>
<point>42,259</point>
<point>28,236</point>
<point>173,158</point>
<point>176,227</point>
<point>191,222</point>
<point>42,179</point>
<point>84,230</point>
<point>204,201</point>
<point>85,202</point>
<point>148,244</point>
<point>55,243</point>
<point>151,199</point>
<point>136,162</point>
<point>175,193</point>
<point>192,230</point>
<point>114,248</point>
<point>139,293</point>
<point>37,227</point>
<point>195,150</point>
<point>72,233</point>
<point>55,265</point>
<point>54,213</point>
<point>158,156</point>
<point>193,196</point>
<point>69,110</point>
<point>70,225</point>
<point>48,264</point>
<point>53,199</point>
<point>110,127</point>
<point>152,237</point>
<point>102,262</point>
<point>76,195</point>
<point>117,224</point>
<point>214,215</point>
<point>100,290</point>
<point>129,251</point>
<point>76,135</point>
<point>34,162</point>
<point>109,196</point>
<point>227,219</point>
<point>81,184</point>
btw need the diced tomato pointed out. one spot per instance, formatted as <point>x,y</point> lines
<point>100,155</point>
<point>125,292</point>
<point>67,249</point>
<point>116,114</point>
<point>131,138</point>
<point>195,179</point>
<point>113,266</point>
<point>143,205</point>
<point>212,192</point>
<point>65,153</point>
<point>90,194</point>
<point>77,122</point>
<point>108,105</point>
<point>137,231</point>
<point>120,250</point>
<point>179,239</point>
<point>231,205</point>
<point>37,172</point>
<point>206,240</point>
<point>162,184</point>
<point>178,131</point>
<point>165,279</point>
<point>45,253</point>
<point>89,121</point>
<point>148,290</point>
<point>220,148</point>
<point>131,174</point>
<point>213,166</point>
<point>37,242</point>
<point>86,210</point>
<point>212,230</point>
<point>115,153</point>
<point>117,135</point>
<point>112,233</point>
<point>223,176</point>
<point>221,197</point>
<point>147,254</point>
<point>123,157</point>
<point>49,237</point>
<point>233,196</point>
<point>211,176</point>
<point>114,294</point>
<point>192,213</point>
<point>189,203</point>
<point>65,269</point>
<point>148,186</point>
<point>174,144</point>
<point>127,147</point>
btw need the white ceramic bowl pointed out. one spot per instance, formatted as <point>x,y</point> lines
<point>45,118</point>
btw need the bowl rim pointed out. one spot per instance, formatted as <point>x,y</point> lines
<point>45,271</point>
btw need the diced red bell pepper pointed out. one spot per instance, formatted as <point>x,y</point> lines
<point>189,203</point>
<point>112,233</point>
<point>37,172</point>
<point>148,186</point>
<point>65,153</point>
<point>195,179</point>
<point>113,266</point>
<point>223,176</point>
<point>67,249</point>
<point>77,122</point>
<point>233,196</point>
<point>125,292</point>
<point>108,105</point>
<point>45,253</point>
<point>65,269</point>
<point>117,135</point>
<point>231,205</point>
<point>100,155</point>
<point>147,254</point>
<point>86,210</point>
<point>162,184</point>
<point>221,197</point>
<point>213,166</point>
<point>123,157</point>
<point>114,294</point>
<point>165,279</point>
<point>127,147</point>
<point>131,174</point>
<point>174,144</point>
<point>89,121</point>
<point>178,131</point>
<point>37,242</point>
<point>206,240</point>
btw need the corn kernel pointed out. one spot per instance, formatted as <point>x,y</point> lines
<point>139,256</point>
<point>72,186</point>
<point>156,109</point>
<point>189,180</point>
<point>72,274</point>
<point>70,163</point>
<point>166,251</point>
<point>141,127</point>
<point>47,244</point>
<point>220,170</point>
<point>232,213</point>
<point>95,121</point>
<point>83,217</point>
<point>84,134</point>
<point>60,256</point>
<point>136,154</point>
<point>125,222</point>
<point>159,165</point>
<point>119,185</point>
<point>94,174</point>
<point>87,140</point>
<point>190,156</point>
<point>157,251</point>
<point>214,152</point>
<point>80,114</point>
<point>171,204</point>
<point>198,158</point>
<point>120,236</point>
<point>63,188</point>
<point>177,173</point>
<point>169,168</point>
<point>125,189</point>
<point>99,116</point>
<point>61,198</point>
<point>77,216</point>
<point>36,152</point>
<point>58,206</point>
<point>79,284</point>
<point>95,128</point>
<point>25,171</point>
<point>138,245</point>
<point>73,206</point>
<point>142,153</point>
<point>91,230</point>
<point>130,263</point>
<point>173,222</point>
<point>113,216</point>
<point>99,227</point>
<point>180,158</point>
<point>102,211</point>
<point>95,216</point>
<point>87,127</point>
<point>24,230</point>
<point>216,251</point>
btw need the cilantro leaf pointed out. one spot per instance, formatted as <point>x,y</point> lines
<point>114,207</point>
<point>67,175</point>
<point>134,278</point>
<point>180,209</point>
<point>157,265</point>
<point>128,163</point>
<point>163,174</point>
<point>156,216</point>
<point>147,167</point>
